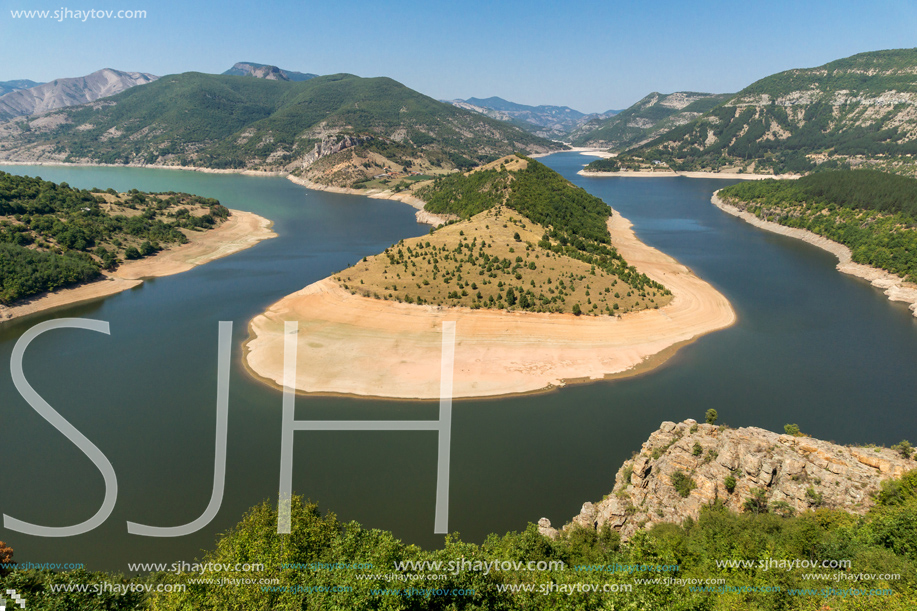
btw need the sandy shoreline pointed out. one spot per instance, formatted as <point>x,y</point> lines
<point>672,174</point>
<point>359,346</point>
<point>242,230</point>
<point>894,286</point>
<point>62,164</point>
<point>422,216</point>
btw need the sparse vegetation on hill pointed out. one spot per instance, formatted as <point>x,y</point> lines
<point>528,240</point>
<point>849,112</point>
<point>651,116</point>
<point>218,121</point>
<point>52,235</point>
<point>872,213</point>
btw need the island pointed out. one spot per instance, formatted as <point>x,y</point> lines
<point>60,245</point>
<point>545,283</point>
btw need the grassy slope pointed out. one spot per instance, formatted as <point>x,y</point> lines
<point>523,227</point>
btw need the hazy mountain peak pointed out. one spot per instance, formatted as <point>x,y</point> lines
<point>266,71</point>
<point>63,92</point>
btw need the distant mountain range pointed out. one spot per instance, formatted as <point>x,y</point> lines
<point>546,121</point>
<point>271,73</point>
<point>338,129</point>
<point>64,92</point>
<point>861,110</point>
<point>651,116</point>
<point>8,86</point>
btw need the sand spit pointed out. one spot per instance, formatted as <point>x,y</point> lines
<point>349,344</point>
<point>422,216</point>
<point>242,230</point>
<point>894,286</point>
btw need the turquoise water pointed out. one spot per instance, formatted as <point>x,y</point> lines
<point>812,346</point>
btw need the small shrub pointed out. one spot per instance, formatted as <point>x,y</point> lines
<point>730,483</point>
<point>697,450</point>
<point>904,449</point>
<point>814,498</point>
<point>683,483</point>
<point>711,416</point>
<point>757,502</point>
<point>792,429</point>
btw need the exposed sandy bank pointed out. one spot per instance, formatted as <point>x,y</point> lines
<point>894,286</point>
<point>355,345</point>
<point>422,216</point>
<point>142,166</point>
<point>242,230</point>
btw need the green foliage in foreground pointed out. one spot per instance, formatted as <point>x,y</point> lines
<point>872,213</point>
<point>313,567</point>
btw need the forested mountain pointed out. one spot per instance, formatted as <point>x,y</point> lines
<point>651,116</point>
<point>217,121</point>
<point>64,92</point>
<point>526,239</point>
<point>52,235</point>
<point>8,86</point>
<point>267,72</point>
<point>546,121</point>
<point>861,109</point>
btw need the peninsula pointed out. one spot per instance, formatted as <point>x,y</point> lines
<point>545,284</point>
<point>60,246</point>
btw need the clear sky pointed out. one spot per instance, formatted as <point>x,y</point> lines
<point>592,56</point>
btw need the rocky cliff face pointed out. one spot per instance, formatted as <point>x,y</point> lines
<point>685,466</point>
<point>64,92</point>
<point>332,145</point>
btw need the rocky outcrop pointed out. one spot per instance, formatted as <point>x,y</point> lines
<point>265,71</point>
<point>715,463</point>
<point>330,146</point>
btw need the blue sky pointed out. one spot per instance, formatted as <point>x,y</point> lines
<point>591,56</point>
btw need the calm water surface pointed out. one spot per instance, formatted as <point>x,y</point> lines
<point>812,346</point>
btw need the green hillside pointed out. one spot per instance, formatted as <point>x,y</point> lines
<point>53,236</point>
<point>853,111</point>
<point>525,239</point>
<point>872,213</point>
<point>219,121</point>
<point>653,115</point>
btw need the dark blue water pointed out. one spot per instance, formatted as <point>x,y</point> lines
<point>812,346</point>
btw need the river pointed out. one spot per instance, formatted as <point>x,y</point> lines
<point>811,346</point>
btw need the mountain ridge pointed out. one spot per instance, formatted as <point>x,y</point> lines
<point>854,111</point>
<point>64,92</point>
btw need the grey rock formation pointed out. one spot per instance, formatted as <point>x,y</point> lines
<point>330,146</point>
<point>793,474</point>
<point>63,92</point>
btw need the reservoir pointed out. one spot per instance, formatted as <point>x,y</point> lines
<point>811,346</point>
